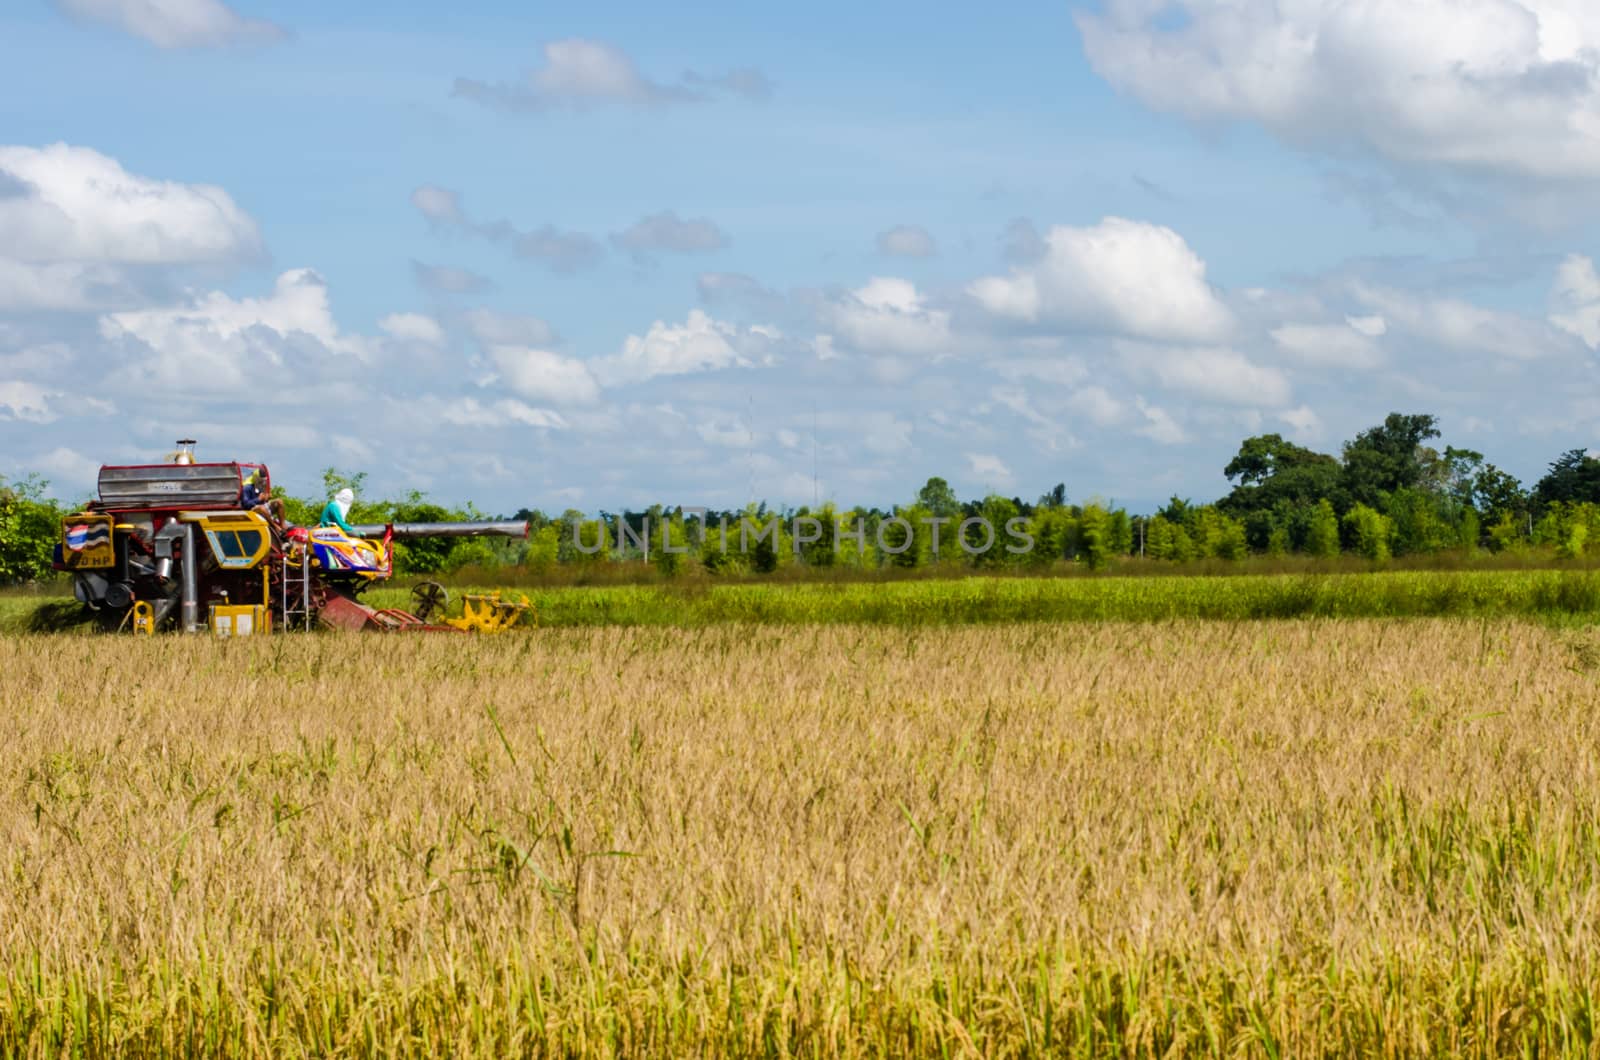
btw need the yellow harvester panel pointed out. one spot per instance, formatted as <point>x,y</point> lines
<point>239,620</point>
<point>239,540</point>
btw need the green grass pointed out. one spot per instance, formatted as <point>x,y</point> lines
<point>1558,595</point>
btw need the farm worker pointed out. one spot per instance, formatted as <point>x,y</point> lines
<point>252,499</point>
<point>337,510</point>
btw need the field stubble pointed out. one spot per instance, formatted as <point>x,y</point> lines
<point>1278,838</point>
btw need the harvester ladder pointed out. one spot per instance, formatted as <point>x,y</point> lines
<point>298,605</point>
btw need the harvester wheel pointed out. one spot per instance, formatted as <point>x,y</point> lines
<point>427,598</point>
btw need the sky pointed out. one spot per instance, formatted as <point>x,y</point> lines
<point>599,256</point>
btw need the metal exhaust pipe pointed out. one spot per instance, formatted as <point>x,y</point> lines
<point>191,581</point>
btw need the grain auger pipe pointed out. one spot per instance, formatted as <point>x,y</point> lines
<point>415,531</point>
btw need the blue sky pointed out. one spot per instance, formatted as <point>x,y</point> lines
<point>595,258</point>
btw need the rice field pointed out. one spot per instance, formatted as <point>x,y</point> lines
<point>1296,837</point>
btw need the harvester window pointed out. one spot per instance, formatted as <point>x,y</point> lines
<point>231,546</point>
<point>236,549</point>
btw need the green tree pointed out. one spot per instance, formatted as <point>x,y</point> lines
<point>30,526</point>
<point>1574,476</point>
<point>1386,458</point>
<point>1370,532</point>
<point>1322,534</point>
<point>938,499</point>
<point>1269,471</point>
<point>1056,498</point>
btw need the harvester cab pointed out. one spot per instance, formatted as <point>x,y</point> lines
<point>195,547</point>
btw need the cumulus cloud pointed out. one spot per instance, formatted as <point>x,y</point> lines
<point>907,241</point>
<point>543,375</point>
<point>414,328</point>
<point>1503,86</point>
<point>1349,345</point>
<point>699,344</point>
<point>176,23</point>
<point>1208,372</point>
<point>1303,422</point>
<point>65,286</point>
<point>1118,277</point>
<point>1159,426</point>
<point>730,434</point>
<point>218,344</point>
<point>1577,300</point>
<point>20,400</point>
<point>470,412</point>
<point>1460,326</point>
<point>579,74</point>
<point>988,466</point>
<point>887,316</point>
<point>74,204</point>
<point>667,232</point>
<point>1096,404</point>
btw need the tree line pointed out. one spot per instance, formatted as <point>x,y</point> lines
<point>1390,491</point>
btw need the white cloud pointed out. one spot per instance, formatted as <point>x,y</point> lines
<point>176,23</point>
<point>219,344</point>
<point>470,412</point>
<point>907,241</point>
<point>1119,277</point>
<point>1304,423</point>
<point>1062,371</point>
<point>887,316</point>
<point>1373,327</point>
<point>62,286</point>
<point>77,205</point>
<point>25,401</point>
<point>1214,373</point>
<point>544,376</point>
<point>1460,326</point>
<point>413,327</point>
<point>989,466</point>
<point>1506,86</point>
<point>730,435</point>
<point>699,344</point>
<point>1097,405</point>
<point>1333,345</point>
<point>1577,298</point>
<point>1159,426</point>
<point>580,74</point>
<point>69,468</point>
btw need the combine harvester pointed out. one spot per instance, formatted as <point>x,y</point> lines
<point>173,546</point>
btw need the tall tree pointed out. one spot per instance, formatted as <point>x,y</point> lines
<point>1388,457</point>
<point>1269,470</point>
<point>1575,476</point>
<point>939,499</point>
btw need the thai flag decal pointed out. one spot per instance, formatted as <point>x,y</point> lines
<point>87,535</point>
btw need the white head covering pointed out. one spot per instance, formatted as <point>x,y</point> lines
<point>344,498</point>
